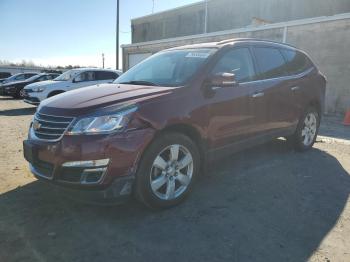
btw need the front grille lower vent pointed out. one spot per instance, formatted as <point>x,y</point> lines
<point>50,127</point>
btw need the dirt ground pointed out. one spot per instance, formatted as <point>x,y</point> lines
<point>266,204</point>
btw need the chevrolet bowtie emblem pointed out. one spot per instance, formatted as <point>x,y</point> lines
<point>36,125</point>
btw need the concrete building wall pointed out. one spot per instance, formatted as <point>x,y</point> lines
<point>188,21</point>
<point>328,45</point>
<point>326,40</point>
<point>229,14</point>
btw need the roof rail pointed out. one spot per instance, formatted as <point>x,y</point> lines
<point>226,41</point>
<point>234,40</point>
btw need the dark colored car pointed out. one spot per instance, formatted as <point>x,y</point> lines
<point>151,131</point>
<point>3,76</point>
<point>15,78</point>
<point>18,77</point>
<point>16,89</point>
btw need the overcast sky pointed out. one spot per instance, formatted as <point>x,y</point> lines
<point>64,32</point>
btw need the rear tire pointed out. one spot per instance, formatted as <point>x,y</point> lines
<point>307,130</point>
<point>167,171</point>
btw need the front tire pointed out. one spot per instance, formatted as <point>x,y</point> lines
<point>307,130</point>
<point>167,171</point>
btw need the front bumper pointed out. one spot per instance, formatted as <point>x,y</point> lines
<point>30,99</point>
<point>9,91</point>
<point>47,161</point>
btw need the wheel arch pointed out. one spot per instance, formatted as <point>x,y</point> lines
<point>317,105</point>
<point>55,92</point>
<point>189,131</point>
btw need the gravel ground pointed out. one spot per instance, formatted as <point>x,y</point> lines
<point>265,204</point>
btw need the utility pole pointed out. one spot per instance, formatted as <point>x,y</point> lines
<point>103,60</point>
<point>152,6</point>
<point>117,37</point>
<point>206,17</point>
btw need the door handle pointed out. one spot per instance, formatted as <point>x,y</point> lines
<point>295,88</point>
<point>255,95</point>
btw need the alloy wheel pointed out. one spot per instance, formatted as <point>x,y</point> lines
<point>308,132</point>
<point>171,172</point>
<point>22,93</point>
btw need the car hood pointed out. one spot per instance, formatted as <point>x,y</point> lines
<point>42,83</point>
<point>84,100</point>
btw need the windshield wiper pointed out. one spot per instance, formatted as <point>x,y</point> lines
<point>140,82</point>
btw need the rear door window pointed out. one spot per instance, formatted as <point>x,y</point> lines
<point>270,62</point>
<point>297,62</point>
<point>237,61</point>
<point>85,76</point>
<point>43,78</point>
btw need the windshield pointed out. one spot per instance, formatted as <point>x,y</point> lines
<point>66,76</point>
<point>14,76</point>
<point>169,68</point>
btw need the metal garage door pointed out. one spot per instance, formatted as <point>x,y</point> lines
<point>134,59</point>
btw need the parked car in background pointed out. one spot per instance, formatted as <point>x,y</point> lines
<point>149,133</point>
<point>70,80</point>
<point>3,76</point>
<point>16,89</point>
<point>18,77</point>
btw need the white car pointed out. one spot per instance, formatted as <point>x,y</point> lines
<point>70,80</point>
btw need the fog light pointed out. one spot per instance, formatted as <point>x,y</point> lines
<point>88,163</point>
<point>93,175</point>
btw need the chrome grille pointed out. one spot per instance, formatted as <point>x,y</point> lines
<point>50,127</point>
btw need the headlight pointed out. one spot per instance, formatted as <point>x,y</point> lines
<point>38,89</point>
<point>102,124</point>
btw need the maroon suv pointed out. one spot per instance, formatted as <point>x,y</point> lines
<point>150,131</point>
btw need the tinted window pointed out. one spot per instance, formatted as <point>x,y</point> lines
<point>296,62</point>
<point>49,77</point>
<point>105,75</point>
<point>270,62</point>
<point>237,61</point>
<point>85,76</point>
<point>43,78</point>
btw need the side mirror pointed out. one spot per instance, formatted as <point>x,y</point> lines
<point>73,81</point>
<point>221,80</point>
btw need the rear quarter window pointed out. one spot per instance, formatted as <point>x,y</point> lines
<point>297,62</point>
<point>105,75</point>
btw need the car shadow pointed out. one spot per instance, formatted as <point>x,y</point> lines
<point>264,204</point>
<point>18,112</point>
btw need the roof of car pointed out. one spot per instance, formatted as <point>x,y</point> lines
<point>94,68</point>
<point>232,41</point>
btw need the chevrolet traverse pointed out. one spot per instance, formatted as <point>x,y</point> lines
<point>149,133</point>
